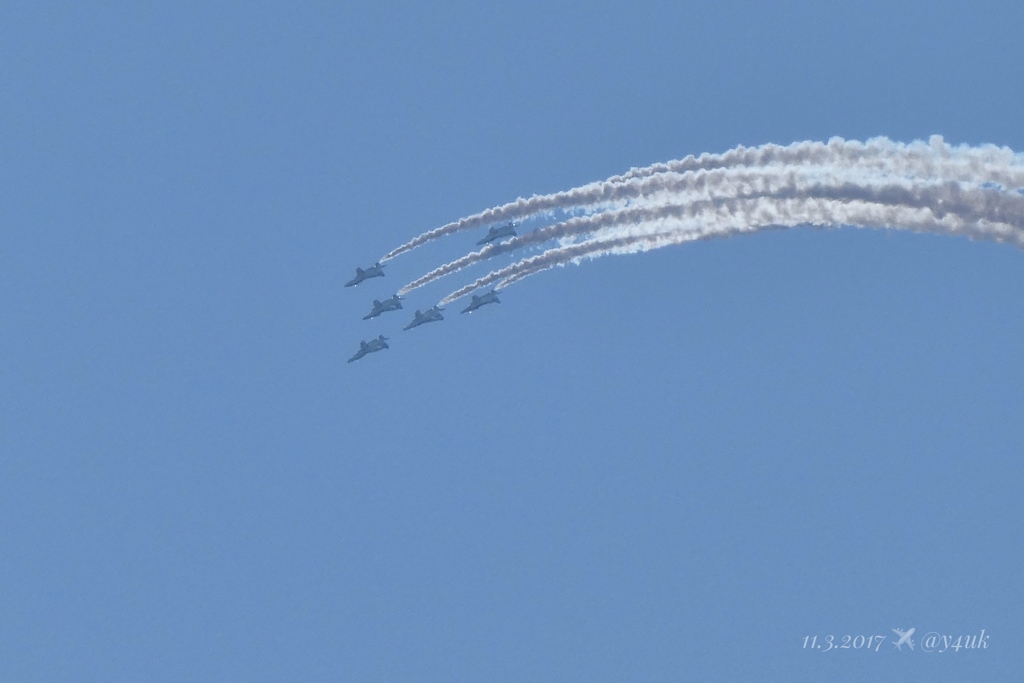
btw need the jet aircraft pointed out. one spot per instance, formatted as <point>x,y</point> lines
<point>378,344</point>
<point>490,297</point>
<point>432,314</point>
<point>507,230</point>
<point>392,304</point>
<point>376,270</point>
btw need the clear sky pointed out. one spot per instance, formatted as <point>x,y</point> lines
<point>663,467</point>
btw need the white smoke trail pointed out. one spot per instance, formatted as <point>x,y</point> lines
<point>913,159</point>
<point>932,159</point>
<point>948,208</point>
<point>683,187</point>
<point>701,186</point>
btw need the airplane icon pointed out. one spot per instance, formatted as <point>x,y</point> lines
<point>904,638</point>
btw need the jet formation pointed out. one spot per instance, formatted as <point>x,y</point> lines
<point>432,314</point>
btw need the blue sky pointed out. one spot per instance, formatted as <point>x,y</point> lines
<point>655,467</point>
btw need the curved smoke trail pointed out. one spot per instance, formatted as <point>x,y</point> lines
<point>694,186</point>
<point>917,158</point>
<point>947,208</point>
<point>932,159</point>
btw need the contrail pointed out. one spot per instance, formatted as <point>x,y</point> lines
<point>934,159</point>
<point>947,208</point>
